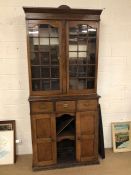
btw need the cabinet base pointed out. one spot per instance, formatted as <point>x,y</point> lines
<point>64,165</point>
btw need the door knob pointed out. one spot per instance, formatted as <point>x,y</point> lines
<point>65,105</point>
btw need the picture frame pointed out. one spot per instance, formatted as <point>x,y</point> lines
<point>7,142</point>
<point>121,136</point>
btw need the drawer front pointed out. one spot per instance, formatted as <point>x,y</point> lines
<point>39,107</point>
<point>86,105</point>
<point>65,106</point>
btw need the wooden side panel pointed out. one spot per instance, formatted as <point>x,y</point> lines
<point>86,136</point>
<point>44,139</point>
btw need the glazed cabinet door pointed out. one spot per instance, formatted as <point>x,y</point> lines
<point>44,139</point>
<point>44,46</point>
<point>82,56</point>
<point>86,136</point>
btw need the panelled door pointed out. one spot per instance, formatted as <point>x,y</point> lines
<point>86,135</point>
<point>44,144</point>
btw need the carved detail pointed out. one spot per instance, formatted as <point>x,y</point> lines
<point>64,7</point>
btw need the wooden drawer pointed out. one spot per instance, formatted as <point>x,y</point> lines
<point>86,105</point>
<point>39,107</point>
<point>65,106</point>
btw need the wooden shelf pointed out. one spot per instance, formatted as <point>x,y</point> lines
<point>64,125</point>
<point>66,135</point>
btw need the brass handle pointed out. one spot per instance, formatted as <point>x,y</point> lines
<point>65,105</point>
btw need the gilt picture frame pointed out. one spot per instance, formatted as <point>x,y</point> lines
<point>121,136</point>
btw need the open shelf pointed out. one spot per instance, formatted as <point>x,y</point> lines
<point>66,150</point>
<point>66,135</point>
<point>63,124</point>
<point>65,129</point>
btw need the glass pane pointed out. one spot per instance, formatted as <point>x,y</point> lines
<point>77,83</point>
<point>82,47</point>
<point>35,72</point>
<point>82,60</point>
<point>35,85</point>
<point>73,71</point>
<point>73,82</point>
<point>45,84</point>
<point>35,58</point>
<point>82,41</point>
<point>83,29</point>
<point>34,44</point>
<point>73,47</point>
<point>54,41</point>
<point>44,57</point>
<point>45,72</point>
<point>55,72</point>
<point>44,41</point>
<point>91,58</point>
<point>91,71</point>
<point>55,84</point>
<point>73,40</point>
<point>73,60</point>
<point>34,31</point>
<point>44,48</point>
<point>82,54</point>
<point>92,45</point>
<point>82,71</point>
<point>44,30</point>
<point>73,31</point>
<point>82,84</point>
<point>92,35</point>
<point>72,54</point>
<point>53,31</point>
<point>90,83</point>
<point>54,55</point>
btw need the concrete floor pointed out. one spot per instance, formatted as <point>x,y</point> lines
<point>114,164</point>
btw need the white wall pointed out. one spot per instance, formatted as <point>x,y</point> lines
<point>114,76</point>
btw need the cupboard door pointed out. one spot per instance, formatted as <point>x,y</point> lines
<point>44,139</point>
<point>82,56</point>
<point>86,136</point>
<point>44,53</point>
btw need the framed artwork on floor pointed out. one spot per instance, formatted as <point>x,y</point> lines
<point>121,136</point>
<point>7,142</point>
